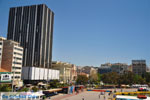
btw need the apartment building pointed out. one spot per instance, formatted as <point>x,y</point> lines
<point>139,67</point>
<point>12,59</point>
<point>104,68</point>
<point>119,68</point>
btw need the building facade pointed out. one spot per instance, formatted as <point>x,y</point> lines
<point>1,48</point>
<point>38,74</point>
<point>89,70</point>
<point>104,68</point>
<point>79,69</point>
<point>73,73</point>
<point>139,67</point>
<point>130,68</point>
<point>119,68</point>
<point>65,70</point>
<point>12,59</point>
<point>32,27</point>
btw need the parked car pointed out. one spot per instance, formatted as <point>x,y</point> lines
<point>142,89</point>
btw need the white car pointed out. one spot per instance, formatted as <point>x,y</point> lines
<point>142,89</point>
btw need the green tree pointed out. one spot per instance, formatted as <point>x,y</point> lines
<point>5,88</point>
<point>99,77</point>
<point>114,77</point>
<point>93,78</point>
<point>147,77</point>
<point>110,78</point>
<point>126,78</point>
<point>82,79</point>
<point>35,89</point>
<point>131,78</point>
<point>104,78</point>
<point>24,89</point>
<point>54,84</point>
<point>141,80</point>
<point>138,79</point>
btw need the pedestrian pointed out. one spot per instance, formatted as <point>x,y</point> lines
<point>104,97</point>
<point>83,98</point>
<point>115,91</point>
<point>99,96</point>
<point>82,89</point>
<point>114,96</point>
<point>121,90</point>
<point>77,91</point>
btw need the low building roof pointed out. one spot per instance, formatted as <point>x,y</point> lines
<point>3,70</point>
<point>2,38</point>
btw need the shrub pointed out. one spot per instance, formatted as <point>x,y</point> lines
<point>24,90</point>
<point>5,88</point>
<point>54,84</point>
<point>35,89</point>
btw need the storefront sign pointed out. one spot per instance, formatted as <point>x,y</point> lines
<point>5,77</point>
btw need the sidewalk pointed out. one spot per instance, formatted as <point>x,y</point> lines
<point>89,95</point>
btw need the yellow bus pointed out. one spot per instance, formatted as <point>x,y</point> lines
<point>121,97</point>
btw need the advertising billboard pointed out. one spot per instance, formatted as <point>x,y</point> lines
<point>5,78</point>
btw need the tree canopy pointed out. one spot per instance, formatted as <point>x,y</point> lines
<point>82,79</point>
<point>126,78</point>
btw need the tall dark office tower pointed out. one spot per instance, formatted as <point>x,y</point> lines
<point>32,27</point>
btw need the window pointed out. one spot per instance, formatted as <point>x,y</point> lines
<point>17,72</point>
<point>17,63</point>
<point>0,43</point>
<point>18,53</point>
<point>19,49</point>
<point>17,76</point>
<point>17,58</point>
<point>16,68</point>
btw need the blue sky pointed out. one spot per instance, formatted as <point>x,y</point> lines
<point>92,32</point>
